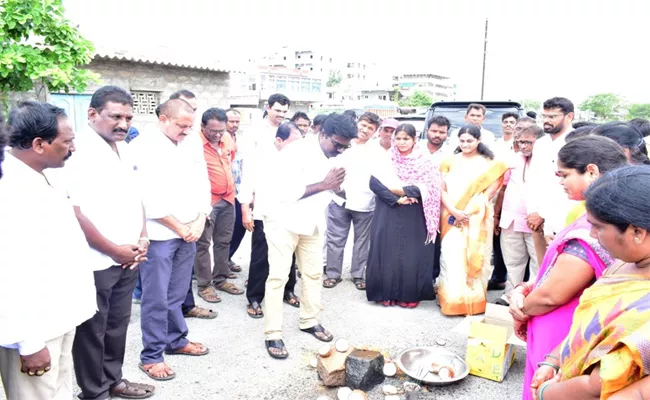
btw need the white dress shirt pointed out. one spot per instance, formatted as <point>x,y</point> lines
<point>173,179</point>
<point>545,194</point>
<point>299,165</point>
<point>439,156</point>
<point>504,149</point>
<point>104,186</point>
<point>256,145</point>
<point>46,286</point>
<point>359,162</point>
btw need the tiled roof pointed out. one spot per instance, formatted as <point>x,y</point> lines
<point>163,56</point>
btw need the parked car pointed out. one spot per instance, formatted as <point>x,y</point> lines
<point>456,110</point>
<point>416,120</point>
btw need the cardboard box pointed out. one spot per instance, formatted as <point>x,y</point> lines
<point>490,342</point>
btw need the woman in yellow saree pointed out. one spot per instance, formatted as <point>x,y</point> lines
<point>608,347</point>
<point>471,178</point>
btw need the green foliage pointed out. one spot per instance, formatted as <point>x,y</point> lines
<point>531,105</point>
<point>638,111</point>
<point>606,106</point>
<point>334,79</point>
<point>418,99</point>
<point>40,45</point>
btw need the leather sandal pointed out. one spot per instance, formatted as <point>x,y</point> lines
<point>129,390</point>
<point>330,283</point>
<point>152,369</point>
<point>190,349</point>
<point>291,299</point>
<point>255,310</point>
<point>276,344</point>
<point>314,330</point>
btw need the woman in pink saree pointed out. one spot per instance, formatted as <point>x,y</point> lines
<point>543,310</point>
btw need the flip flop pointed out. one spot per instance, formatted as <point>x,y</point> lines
<point>254,310</point>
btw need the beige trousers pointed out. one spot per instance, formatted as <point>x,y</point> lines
<point>517,248</point>
<point>308,248</point>
<point>56,384</point>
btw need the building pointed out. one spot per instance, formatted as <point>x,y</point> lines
<point>151,76</point>
<point>438,87</point>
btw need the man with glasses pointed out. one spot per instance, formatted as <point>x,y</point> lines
<point>549,204</point>
<point>514,233</point>
<point>176,199</point>
<point>298,189</point>
<point>219,152</point>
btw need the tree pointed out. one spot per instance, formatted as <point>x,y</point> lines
<point>41,49</point>
<point>531,105</point>
<point>638,111</point>
<point>334,79</point>
<point>605,106</point>
<point>417,99</point>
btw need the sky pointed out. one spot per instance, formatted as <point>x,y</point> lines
<point>536,49</point>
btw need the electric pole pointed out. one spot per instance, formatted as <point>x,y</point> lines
<point>484,56</point>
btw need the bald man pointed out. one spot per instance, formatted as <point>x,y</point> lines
<point>176,199</point>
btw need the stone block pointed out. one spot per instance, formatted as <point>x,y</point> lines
<point>332,369</point>
<point>364,369</point>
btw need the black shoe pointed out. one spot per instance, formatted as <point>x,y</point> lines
<point>502,302</point>
<point>492,285</point>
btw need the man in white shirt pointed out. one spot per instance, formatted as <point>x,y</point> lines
<point>475,115</point>
<point>259,269</point>
<point>37,331</point>
<point>386,131</point>
<point>504,146</point>
<point>548,204</point>
<point>176,198</point>
<point>356,208</point>
<point>259,145</point>
<point>232,126</point>
<point>438,143</point>
<point>294,222</point>
<point>97,178</point>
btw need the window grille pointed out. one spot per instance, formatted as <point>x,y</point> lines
<point>145,102</point>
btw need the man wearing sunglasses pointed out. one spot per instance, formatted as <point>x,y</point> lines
<point>513,230</point>
<point>297,191</point>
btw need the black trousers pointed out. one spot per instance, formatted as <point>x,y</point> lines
<point>500,273</point>
<point>100,342</point>
<point>188,303</point>
<point>436,256</point>
<point>238,232</point>
<point>259,267</point>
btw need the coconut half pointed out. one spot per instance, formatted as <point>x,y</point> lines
<point>342,345</point>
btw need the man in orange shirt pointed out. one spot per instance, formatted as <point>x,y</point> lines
<point>219,152</point>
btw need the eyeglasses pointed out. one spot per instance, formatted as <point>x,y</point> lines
<point>338,145</point>
<point>552,116</point>
<point>525,142</point>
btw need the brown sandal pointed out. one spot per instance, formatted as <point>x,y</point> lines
<point>229,288</point>
<point>152,371</point>
<point>210,295</point>
<point>129,390</point>
<point>201,313</point>
<point>190,349</point>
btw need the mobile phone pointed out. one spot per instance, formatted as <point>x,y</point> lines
<point>451,220</point>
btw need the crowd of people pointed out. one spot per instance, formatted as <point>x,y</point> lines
<point>554,216</point>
